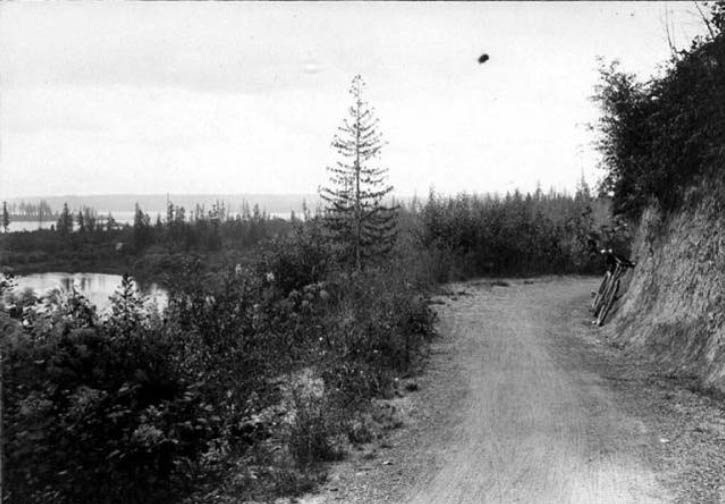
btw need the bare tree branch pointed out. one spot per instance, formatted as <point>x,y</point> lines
<point>704,19</point>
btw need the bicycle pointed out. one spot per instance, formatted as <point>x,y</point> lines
<point>609,288</point>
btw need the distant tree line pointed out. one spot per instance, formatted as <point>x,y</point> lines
<point>30,211</point>
<point>204,229</point>
<point>84,239</point>
<point>517,234</point>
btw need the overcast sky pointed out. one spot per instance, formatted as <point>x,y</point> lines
<point>245,97</point>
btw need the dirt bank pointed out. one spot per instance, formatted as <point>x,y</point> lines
<point>524,401</point>
<point>675,304</point>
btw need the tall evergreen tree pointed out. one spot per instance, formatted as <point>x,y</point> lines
<point>81,222</point>
<point>90,219</point>
<point>141,228</point>
<point>110,222</point>
<point>355,216</point>
<point>65,221</point>
<point>40,215</point>
<point>6,217</point>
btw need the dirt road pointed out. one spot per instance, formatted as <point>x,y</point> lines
<point>523,401</point>
<point>533,429</point>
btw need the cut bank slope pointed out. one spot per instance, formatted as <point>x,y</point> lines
<point>674,308</point>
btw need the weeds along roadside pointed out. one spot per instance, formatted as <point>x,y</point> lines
<point>243,386</point>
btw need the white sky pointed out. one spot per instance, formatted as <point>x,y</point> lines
<point>245,97</point>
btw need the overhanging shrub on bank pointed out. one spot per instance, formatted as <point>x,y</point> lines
<point>664,136</point>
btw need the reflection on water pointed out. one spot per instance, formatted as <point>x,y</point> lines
<point>97,287</point>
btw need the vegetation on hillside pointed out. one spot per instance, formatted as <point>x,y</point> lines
<point>662,137</point>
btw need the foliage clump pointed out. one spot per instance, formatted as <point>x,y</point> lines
<point>661,137</point>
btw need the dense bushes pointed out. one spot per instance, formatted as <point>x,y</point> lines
<point>142,408</point>
<point>658,138</point>
<point>95,411</point>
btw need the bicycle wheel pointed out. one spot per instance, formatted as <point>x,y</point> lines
<point>599,297</point>
<point>608,302</point>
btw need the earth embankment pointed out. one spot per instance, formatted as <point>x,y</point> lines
<point>674,307</point>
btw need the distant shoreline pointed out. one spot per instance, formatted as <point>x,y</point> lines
<point>156,203</point>
<point>25,218</point>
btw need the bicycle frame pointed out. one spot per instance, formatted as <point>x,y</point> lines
<point>599,295</point>
<point>610,292</point>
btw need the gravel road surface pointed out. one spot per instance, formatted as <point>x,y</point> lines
<point>522,400</point>
<point>532,429</point>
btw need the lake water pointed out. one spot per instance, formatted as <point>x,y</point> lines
<point>97,287</point>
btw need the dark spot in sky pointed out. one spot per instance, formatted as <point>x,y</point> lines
<point>483,58</point>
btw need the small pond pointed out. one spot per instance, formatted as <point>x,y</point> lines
<point>97,287</point>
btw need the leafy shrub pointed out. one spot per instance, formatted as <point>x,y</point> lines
<point>297,261</point>
<point>360,431</point>
<point>659,138</point>
<point>96,411</point>
<point>142,408</point>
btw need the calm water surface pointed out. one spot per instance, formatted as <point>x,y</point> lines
<point>97,287</point>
